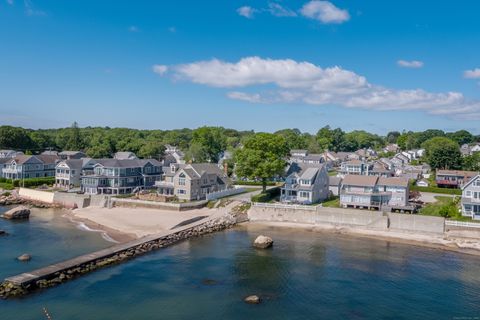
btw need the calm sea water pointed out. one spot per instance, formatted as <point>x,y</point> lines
<point>305,276</point>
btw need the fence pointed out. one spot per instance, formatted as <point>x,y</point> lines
<point>464,224</point>
<point>284,206</point>
<point>225,193</point>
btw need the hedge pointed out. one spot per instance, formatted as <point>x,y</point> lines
<point>6,186</point>
<point>267,195</point>
<point>436,190</point>
<point>34,182</point>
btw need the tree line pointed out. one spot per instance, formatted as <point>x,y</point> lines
<point>206,144</point>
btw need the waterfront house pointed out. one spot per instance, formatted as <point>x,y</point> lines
<point>453,178</point>
<point>67,155</point>
<point>121,176</point>
<point>354,167</point>
<point>305,184</point>
<point>193,181</point>
<point>173,154</point>
<point>471,198</point>
<point>25,167</point>
<point>303,156</point>
<point>3,164</point>
<point>380,169</point>
<point>125,155</point>
<point>391,148</point>
<point>68,173</point>
<point>374,192</point>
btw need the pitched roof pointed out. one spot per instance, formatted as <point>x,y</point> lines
<point>126,163</point>
<point>334,181</point>
<point>357,180</point>
<point>298,168</point>
<point>393,182</point>
<point>460,173</point>
<point>70,153</point>
<point>121,155</point>
<point>313,157</point>
<point>208,168</point>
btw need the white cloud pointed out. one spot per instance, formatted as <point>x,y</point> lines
<point>304,82</point>
<point>277,10</point>
<point>472,74</point>
<point>133,29</point>
<point>246,12</point>
<point>31,11</point>
<point>160,69</point>
<point>325,12</point>
<point>410,64</point>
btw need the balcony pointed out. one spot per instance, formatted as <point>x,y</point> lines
<point>470,200</point>
<point>163,184</point>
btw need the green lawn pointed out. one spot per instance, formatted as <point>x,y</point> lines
<point>332,203</point>
<point>447,207</point>
<point>332,173</point>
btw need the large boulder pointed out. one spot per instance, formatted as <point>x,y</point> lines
<point>263,242</point>
<point>20,212</point>
<point>253,299</point>
<point>24,257</point>
<point>3,233</point>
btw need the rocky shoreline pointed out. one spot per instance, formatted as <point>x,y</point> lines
<point>12,199</point>
<point>9,289</point>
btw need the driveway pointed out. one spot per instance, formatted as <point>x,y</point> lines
<point>429,197</point>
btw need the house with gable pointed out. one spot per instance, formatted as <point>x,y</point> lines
<point>471,198</point>
<point>305,184</point>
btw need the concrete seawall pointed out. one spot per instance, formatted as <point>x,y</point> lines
<point>339,217</point>
<point>58,273</point>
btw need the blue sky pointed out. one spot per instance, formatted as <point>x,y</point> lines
<point>263,65</point>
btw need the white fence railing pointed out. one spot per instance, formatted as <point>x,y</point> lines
<point>284,206</point>
<point>224,193</point>
<point>462,224</point>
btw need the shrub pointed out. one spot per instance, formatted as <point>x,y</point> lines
<point>34,182</point>
<point>6,186</point>
<point>267,196</point>
<point>436,190</point>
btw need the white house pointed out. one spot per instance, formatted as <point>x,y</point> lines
<point>471,198</point>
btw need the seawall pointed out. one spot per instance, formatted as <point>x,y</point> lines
<point>339,217</point>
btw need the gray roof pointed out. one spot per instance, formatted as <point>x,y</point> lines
<point>70,153</point>
<point>49,153</point>
<point>313,157</point>
<point>125,155</point>
<point>208,168</point>
<point>300,168</point>
<point>126,163</point>
<point>334,181</point>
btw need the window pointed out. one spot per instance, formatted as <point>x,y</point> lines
<point>181,191</point>
<point>468,194</point>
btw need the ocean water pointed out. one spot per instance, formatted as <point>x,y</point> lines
<point>306,275</point>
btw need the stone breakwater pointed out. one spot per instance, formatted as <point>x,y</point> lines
<point>56,274</point>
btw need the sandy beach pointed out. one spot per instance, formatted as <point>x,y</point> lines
<point>123,224</point>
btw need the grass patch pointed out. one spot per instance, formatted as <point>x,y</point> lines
<point>457,192</point>
<point>6,186</point>
<point>332,173</point>
<point>332,202</point>
<point>446,207</point>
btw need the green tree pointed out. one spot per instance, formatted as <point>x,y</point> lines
<point>294,138</point>
<point>15,138</point>
<point>211,141</point>
<point>461,136</point>
<point>262,157</point>
<point>472,162</point>
<point>151,149</point>
<point>331,140</point>
<point>392,136</point>
<point>442,153</point>
<point>74,139</point>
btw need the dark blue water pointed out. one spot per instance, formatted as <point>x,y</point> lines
<point>306,275</point>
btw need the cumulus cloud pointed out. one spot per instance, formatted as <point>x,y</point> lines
<point>30,9</point>
<point>246,12</point>
<point>279,11</point>
<point>410,64</point>
<point>325,12</point>
<point>133,29</point>
<point>160,69</point>
<point>305,82</point>
<point>472,74</point>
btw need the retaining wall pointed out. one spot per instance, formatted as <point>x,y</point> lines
<point>37,195</point>
<point>350,217</point>
<point>119,202</point>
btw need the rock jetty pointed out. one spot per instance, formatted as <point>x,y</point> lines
<point>17,213</point>
<point>263,242</point>
<point>76,267</point>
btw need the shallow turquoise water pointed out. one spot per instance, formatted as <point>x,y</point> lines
<point>305,276</point>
